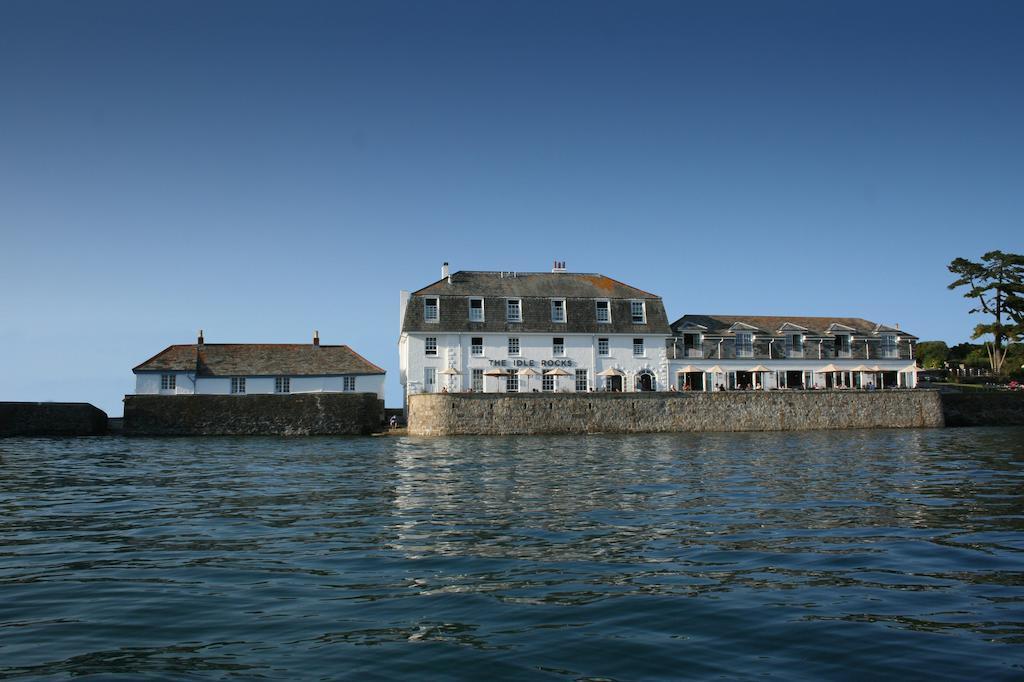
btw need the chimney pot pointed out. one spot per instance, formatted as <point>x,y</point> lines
<point>444,270</point>
<point>200,340</point>
<point>316,337</point>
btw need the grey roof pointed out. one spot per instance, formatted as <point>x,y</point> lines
<point>773,324</point>
<point>536,289</point>
<point>259,359</point>
<point>533,284</point>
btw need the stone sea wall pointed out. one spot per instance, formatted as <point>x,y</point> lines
<point>52,419</point>
<point>295,414</point>
<point>438,414</point>
<point>984,408</point>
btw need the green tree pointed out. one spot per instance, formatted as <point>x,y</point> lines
<point>997,284</point>
<point>931,354</point>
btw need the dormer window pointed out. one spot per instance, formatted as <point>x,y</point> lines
<point>430,309</point>
<point>476,310</point>
<point>558,310</point>
<point>889,345</point>
<point>744,345</point>
<point>795,343</point>
<point>638,312</point>
<point>604,312</point>
<point>514,310</point>
<point>842,344</point>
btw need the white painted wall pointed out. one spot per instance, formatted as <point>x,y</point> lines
<point>791,364</point>
<point>149,383</point>
<point>454,350</point>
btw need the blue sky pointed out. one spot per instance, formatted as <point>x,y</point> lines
<point>261,170</point>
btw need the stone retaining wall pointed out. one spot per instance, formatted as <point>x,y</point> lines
<point>438,414</point>
<point>984,408</point>
<point>52,419</point>
<point>296,414</point>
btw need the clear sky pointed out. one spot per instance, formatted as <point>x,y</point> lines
<point>261,170</point>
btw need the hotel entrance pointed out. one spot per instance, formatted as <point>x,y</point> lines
<point>645,381</point>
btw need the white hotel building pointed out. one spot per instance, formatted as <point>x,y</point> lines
<point>534,331</point>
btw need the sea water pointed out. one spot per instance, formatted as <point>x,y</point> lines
<point>840,555</point>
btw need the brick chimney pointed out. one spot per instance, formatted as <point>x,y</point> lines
<point>200,341</point>
<point>316,337</point>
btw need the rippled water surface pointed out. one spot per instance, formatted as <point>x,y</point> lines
<point>849,555</point>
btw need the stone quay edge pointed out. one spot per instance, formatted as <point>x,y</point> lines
<point>441,414</point>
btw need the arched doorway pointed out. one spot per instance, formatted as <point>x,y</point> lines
<point>645,381</point>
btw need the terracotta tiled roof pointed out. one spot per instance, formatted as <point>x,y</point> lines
<point>771,324</point>
<point>260,359</point>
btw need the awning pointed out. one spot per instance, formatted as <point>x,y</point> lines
<point>830,368</point>
<point>528,372</point>
<point>450,371</point>
<point>861,368</point>
<point>611,372</point>
<point>557,372</point>
<point>496,373</point>
<point>760,368</point>
<point>716,369</point>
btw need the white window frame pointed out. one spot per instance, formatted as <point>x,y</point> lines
<point>512,383</point>
<point>437,309</point>
<point>471,309</point>
<point>746,349</point>
<point>238,385</point>
<point>282,384</point>
<point>168,382</point>
<point>477,379</point>
<point>430,386</point>
<point>508,309</point>
<point>555,307</point>
<point>476,350</point>
<point>586,380</point>
<point>607,348</point>
<point>886,350</point>
<point>430,346</point>
<point>513,341</point>
<point>643,311</point>
<point>642,346</point>
<point>607,308</point>
<point>547,384</point>
<point>558,349</point>
<point>348,383</point>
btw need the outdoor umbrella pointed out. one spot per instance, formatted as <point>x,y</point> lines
<point>495,373</point>
<point>716,370</point>
<point>557,372</point>
<point>611,372</point>
<point>760,369</point>
<point>860,369</point>
<point>528,372</point>
<point>830,368</point>
<point>450,372</point>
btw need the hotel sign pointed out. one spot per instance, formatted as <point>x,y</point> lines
<point>522,362</point>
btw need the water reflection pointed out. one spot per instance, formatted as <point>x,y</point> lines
<point>613,556</point>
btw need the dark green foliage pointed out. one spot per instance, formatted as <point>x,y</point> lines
<point>932,354</point>
<point>997,284</point>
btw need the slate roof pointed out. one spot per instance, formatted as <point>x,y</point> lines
<point>259,359</point>
<point>771,324</point>
<point>536,289</point>
<point>533,284</point>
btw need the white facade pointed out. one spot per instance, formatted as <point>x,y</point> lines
<point>186,383</point>
<point>536,351</point>
<point>732,372</point>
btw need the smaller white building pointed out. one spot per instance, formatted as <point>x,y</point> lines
<point>248,368</point>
